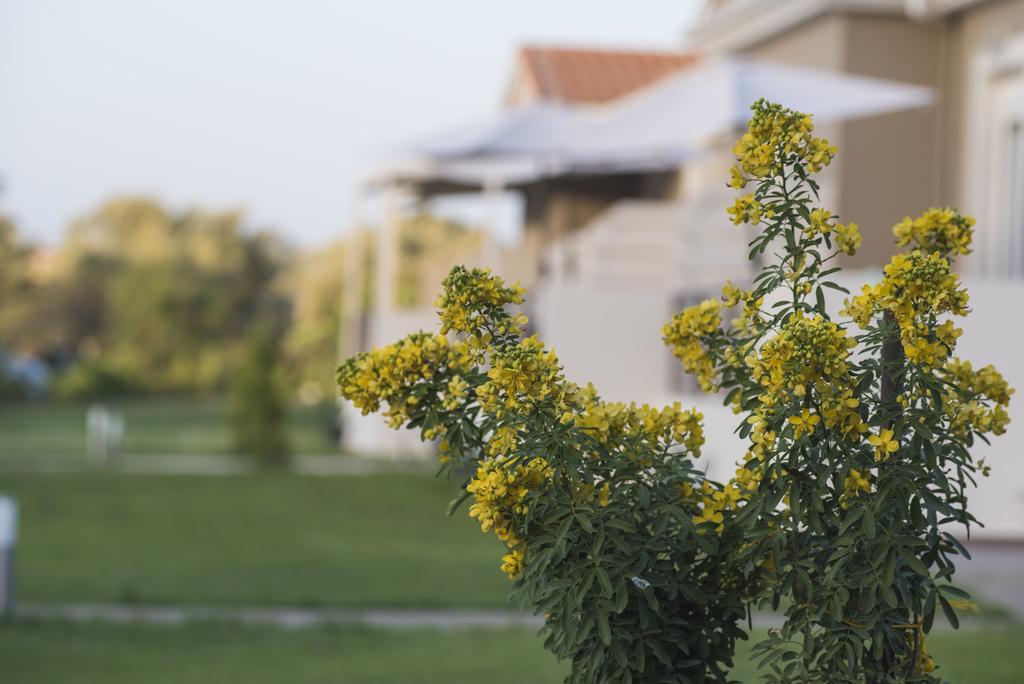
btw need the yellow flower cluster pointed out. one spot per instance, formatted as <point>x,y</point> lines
<point>457,391</point>
<point>715,502</point>
<point>777,136</point>
<point>749,319</point>
<point>473,302</point>
<point>980,401</point>
<point>500,490</point>
<point>820,223</point>
<point>389,374</point>
<point>940,230</point>
<point>520,378</point>
<point>846,235</point>
<point>503,441</point>
<point>657,430</point>
<point>848,238</point>
<point>915,287</point>
<point>807,352</point>
<point>686,334</point>
<point>855,484</point>
<point>747,209</point>
<point>512,562</point>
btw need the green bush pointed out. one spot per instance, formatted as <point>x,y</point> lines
<point>858,456</point>
<point>91,380</point>
<point>258,406</point>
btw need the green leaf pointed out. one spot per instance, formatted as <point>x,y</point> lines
<point>868,524</point>
<point>913,562</point>
<point>950,613</point>
<point>605,582</point>
<point>604,632</point>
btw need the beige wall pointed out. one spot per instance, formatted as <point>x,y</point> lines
<point>889,163</point>
<point>886,166</point>
<point>969,33</point>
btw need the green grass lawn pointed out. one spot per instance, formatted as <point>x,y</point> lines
<point>275,538</point>
<point>48,653</point>
<point>152,426</point>
<point>56,653</point>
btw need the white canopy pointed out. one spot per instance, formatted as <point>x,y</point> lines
<point>707,101</point>
<point>658,127</point>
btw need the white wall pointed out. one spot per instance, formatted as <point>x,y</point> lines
<point>612,337</point>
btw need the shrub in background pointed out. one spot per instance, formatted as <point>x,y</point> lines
<point>258,400</point>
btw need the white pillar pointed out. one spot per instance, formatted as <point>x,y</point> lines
<point>386,273</point>
<point>494,190</point>
<point>352,284</point>
<point>8,540</point>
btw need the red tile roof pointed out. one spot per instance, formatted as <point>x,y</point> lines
<point>582,76</point>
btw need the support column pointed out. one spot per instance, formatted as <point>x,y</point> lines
<point>494,190</point>
<point>353,283</point>
<point>386,267</point>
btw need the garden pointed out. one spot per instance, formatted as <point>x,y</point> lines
<point>582,543</point>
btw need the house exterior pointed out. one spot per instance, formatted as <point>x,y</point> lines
<point>608,258</point>
<point>966,150</point>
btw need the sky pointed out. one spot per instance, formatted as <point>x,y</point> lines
<point>275,106</point>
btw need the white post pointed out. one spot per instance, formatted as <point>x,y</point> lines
<point>8,540</point>
<point>494,189</point>
<point>351,295</point>
<point>386,274</point>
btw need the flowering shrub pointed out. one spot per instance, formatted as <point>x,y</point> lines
<point>610,530</point>
<point>859,429</point>
<point>858,432</point>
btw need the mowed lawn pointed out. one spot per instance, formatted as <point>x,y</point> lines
<point>152,426</point>
<point>47,653</point>
<point>381,540</point>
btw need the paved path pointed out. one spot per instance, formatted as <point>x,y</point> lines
<point>210,464</point>
<point>283,616</point>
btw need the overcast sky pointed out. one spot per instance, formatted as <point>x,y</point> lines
<point>276,106</point>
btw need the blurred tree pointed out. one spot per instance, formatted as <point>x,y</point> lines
<point>160,299</point>
<point>314,284</point>
<point>140,298</point>
<point>258,403</point>
<point>429,247</point>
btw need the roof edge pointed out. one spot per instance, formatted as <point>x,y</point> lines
<point>746,23</point>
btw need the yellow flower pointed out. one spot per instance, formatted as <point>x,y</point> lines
<point>389,374</point>
<point>941,230</point>
<point>855,484</point>
<point>732,295</point>
<point>848,238</point>
<point>687,334</point>
<point>884,444</point>
<point>736,178</point>
<point>748,210</point>
<point>776,135</point>
<point>820,222</point>
<point>473,302</point>
<point>512,563</point>
<point>520,378</point>
<point>804,423</point>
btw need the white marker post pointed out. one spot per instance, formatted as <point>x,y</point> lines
<point>8,540</point>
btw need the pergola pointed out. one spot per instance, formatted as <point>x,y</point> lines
<point>656,130</point>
